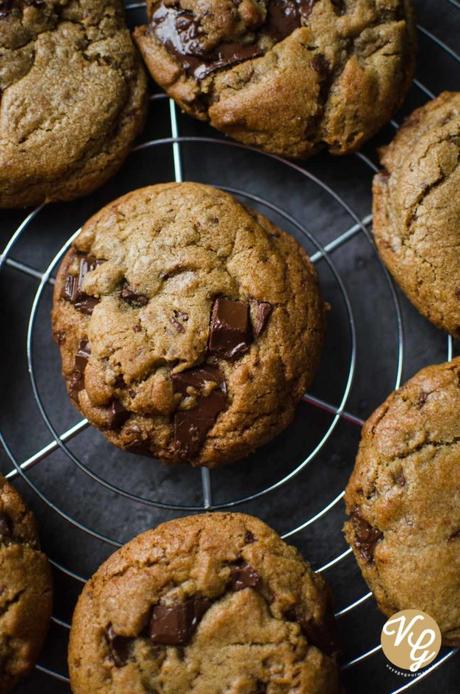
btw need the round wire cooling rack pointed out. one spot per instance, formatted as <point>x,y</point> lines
<point>322,253</point>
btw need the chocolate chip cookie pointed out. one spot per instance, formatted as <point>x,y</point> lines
<point>290,76</point>
<point>72,97</point>
<point>417,210</point>
<point>189,326</point>
<point>403,499</point>
<point>25,589</point>
<point>204,604</point>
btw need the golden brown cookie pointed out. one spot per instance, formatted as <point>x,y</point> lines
<point>72,97</point>
<point>189,326</point>
<point>200,605</point>
<point>290,76</point>
<point>25,589</point>
<point>417,210</point>
<point>403,499</point>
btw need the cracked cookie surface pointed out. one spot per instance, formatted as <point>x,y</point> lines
<point>289,76</point>
<point>417,210</point>
<point>189,326</point>
<point>73,97</point>
<point>25,589</point>
<point>204,604</point>
<point>403,499</point>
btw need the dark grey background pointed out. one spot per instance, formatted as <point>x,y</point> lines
<point>86,501</point>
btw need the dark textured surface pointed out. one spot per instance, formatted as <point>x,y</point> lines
<point>74,492</point>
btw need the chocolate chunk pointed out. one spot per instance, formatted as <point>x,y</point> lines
<point>5,527</point>
<point>244,576</point>
<point>72,290</point>
<point>77,381</point>
<point>229,330</point>
<point>119,646</point>
<point>178,320</point>
<point>117,415</point>
<point>174,625</point>
<point>321,65</point>
<point>197,378</point>
<point>249,537</point>
<point>260,313</point>
<point>322,636</point>
<point>318,635</point>
<point>132,298</point>
<point>454,536</point>
<point>285,16</point>
<point>423,397</point>
<point>457,293</point>
<point>366,536</point>
<point>261,688</point>
<point>180,32</point>
<point>192,426</point>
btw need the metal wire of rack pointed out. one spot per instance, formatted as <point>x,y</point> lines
<point>322,254</point>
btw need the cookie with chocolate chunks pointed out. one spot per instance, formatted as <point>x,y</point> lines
<point>73,97</point>
<point>209,603</point>
<point>402,499</point>
<point>189,327</point>
<point>289,76</point>
<point>25,589</point>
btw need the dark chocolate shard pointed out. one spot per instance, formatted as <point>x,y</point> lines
<point>249,537</point>
<point>198,379</point>
<point>119,647</point>
<point>174,625</point>
<point>191,426</point>
<point>366,536</point>
<point>77,380</point>
<point>322,636</point>
<point>321,65</point>
<point>180,32</point>
<point>260,313</point>
<point>244,576</point>
<point>454,536</point>
<point>133,298</point>
<point>5,527</point>
<point>73,284</point>
<point>285,16</point>
<point>229,330</point>
<point>117,415</point>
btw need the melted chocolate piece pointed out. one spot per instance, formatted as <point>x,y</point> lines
<point>366,536</point>
<point>77,381</point>
<point>119,646</point>
<point>260,313</point>
<point>132,298</point>
<point>117,415</point>
<point>244,576</point>
<point>261,688</point>
<point>249,537</point>
<point>192,426</point>
<point>179,31</point>
<point>197,379</point>
<point>230,329</point>
<point>322,636</point>
<point>72,290</point>
<point>174,625</point>
<point>5,528</point>
<point>454,536</point>
<point>321,65</point>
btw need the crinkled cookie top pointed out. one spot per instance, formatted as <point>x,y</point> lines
<point>403,499</point>
<point>291,76</point>
<point>417,210</point>
<point>200,605</point>
<point>189,326</point>
<point>72,97</point>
